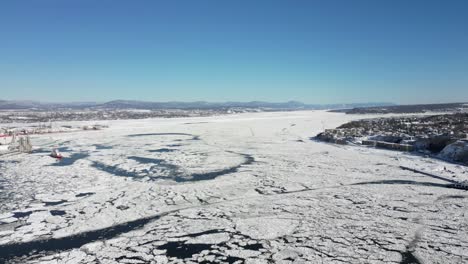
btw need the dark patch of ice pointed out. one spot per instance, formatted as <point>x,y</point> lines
<point>14,250</point>
<point>122,207</point>
<point>161,150</point>
<point>432,184</point>
<point>55,203</point>
<point>174,145</point>
<point>8,162</point>
<point>408,258</point>
<point>174,172</point>
<point>100,146</point>
<point>455,197</point>
<point>63,149</point>
<point>132,259</point>
<point>160,134</point>
<point>427,174</point>
<point>84,194</point>
<point>114,170</point>
<point>255,247</point>
<point>67,161</point>
<point>159,162</point>
<point>193,123</point>
<point>181,250</point>
<point>145,160</point>
<point>194,137</point>
<point>57,212</point>
<point>208,232</point>
<point>21,214</point>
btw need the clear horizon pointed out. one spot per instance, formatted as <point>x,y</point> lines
<point>275,51</point>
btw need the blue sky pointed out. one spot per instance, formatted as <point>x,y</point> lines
<point>334,51</point>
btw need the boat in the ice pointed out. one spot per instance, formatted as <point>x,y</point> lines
<point>56,154</point>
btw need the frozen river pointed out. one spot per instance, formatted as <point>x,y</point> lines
<point>247,188</point>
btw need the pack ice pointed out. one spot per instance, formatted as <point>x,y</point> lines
<point>244,188</point>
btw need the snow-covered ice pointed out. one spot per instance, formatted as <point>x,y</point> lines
<point>250,188</point>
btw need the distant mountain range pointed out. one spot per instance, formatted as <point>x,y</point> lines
<point>18,105</point>
<point>129,104</point>
<point>406,109</point>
